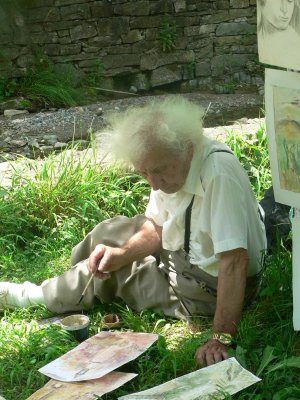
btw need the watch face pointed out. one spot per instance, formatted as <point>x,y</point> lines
<point>224,338</point>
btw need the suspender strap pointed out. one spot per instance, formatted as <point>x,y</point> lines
<point>188,212</point>
<point>187,231</point>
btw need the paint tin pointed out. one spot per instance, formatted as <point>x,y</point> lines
<point>78,325</point>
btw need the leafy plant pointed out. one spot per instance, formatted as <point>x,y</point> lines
<point>168,34</point>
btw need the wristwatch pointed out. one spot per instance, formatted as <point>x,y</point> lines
<point>222,337</point>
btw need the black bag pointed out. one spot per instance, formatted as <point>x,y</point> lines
<point>277,222</point>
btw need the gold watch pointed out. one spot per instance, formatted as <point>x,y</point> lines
<point>222,337</point>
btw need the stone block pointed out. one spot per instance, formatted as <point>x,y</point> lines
<point>25,61</point>
<point>161,7</point>
<point>239,3</point>
<point>222,4</point>
<point>216,17</point>
<point>70,49</point>
<point>43,37</point>
<point>52,49</point>
<point>44,14</point>
<point>183,20</point>
<point>202,69</point>
<point>117,61</point>
<point>133,36</point>
<point>205,53</point>
<point>63,33</point>
<point>102,9</point>
<point>133,8</point>
<point>59,25</point>
<point>198,43</point>
<point>83,31</point>
<point>120,49</point>
<point>235,28</point>
<point>165,75</point>
<point>114,27</point>
<point>200,29</point>
<point>65,40</point>
<point>76,11</point>
<point>228,63</point>
<point>153,21</point>
<point>180,5</point>
<point>154,60</point>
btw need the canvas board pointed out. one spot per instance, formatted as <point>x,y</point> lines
<point>86,390</point>
<point>98,355</point>
<point>213,382</point>
<point>278,33</point>
<point>296,269</point>
<point>282,94</point>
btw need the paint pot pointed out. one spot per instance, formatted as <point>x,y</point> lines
<point>110,321</point>
<point>78,325</point>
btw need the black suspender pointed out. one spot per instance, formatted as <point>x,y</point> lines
<point>188,212</point>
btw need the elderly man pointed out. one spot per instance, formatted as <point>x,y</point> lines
<point>196,251</point>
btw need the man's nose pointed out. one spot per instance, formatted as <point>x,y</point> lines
<point>154,181</point>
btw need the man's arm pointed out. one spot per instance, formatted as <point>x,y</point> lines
<point>105,259</point>
<point>232,277</point>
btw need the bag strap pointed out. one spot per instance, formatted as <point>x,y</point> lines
<point>188,212</point>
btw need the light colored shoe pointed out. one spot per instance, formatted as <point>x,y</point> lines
<point>15,295</point>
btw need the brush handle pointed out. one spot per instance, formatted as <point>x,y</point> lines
<point>88,284</point>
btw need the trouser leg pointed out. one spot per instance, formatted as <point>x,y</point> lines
<point>141,285</point>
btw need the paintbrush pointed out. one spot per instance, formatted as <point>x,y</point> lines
<point>86,287</point>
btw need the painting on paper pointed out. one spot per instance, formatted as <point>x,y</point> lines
<point>86,390</point>
<point>215,381</point>
<point>278,32</point>
<point>283,130</point>
<point>98,355</point>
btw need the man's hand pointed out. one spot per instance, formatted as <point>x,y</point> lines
<point>211,352</point>
<point>105,259</point>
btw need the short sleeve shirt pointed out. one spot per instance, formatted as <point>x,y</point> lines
<point>224,214</point>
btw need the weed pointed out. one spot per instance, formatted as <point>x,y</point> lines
<point>168,34</point>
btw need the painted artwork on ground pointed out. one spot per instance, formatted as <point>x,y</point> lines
<point>98,355</point>
<point>215,381</point>
<point>86,390</point>
<point>283,131</point>
<point>278,32</point>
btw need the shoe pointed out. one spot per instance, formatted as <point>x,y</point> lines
<point>15,295</point>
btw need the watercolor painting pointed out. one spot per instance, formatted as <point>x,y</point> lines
<point>283,131</point>
<point>215,381</point>
<point>278,32</point>
<point>86,390</point>
<point>98,356</point>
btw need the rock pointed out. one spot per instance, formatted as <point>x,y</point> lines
<point>133,89</point>
<point>34,143</point>
<point>46,150</point>
<point>18,103</point>
<point>18,143</point>
<point>12,113</point>
<point>50,139</point>
<point>60,145</point>
<point>99,111</point>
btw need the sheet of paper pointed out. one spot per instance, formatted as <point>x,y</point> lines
<point>226,377</point>
<point>98,355</point>
<point>87,390</point>
<point>296,269</point>
<point>283,132</point>
<point>278,33</point>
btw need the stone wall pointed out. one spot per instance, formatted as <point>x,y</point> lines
<point>214,47</point>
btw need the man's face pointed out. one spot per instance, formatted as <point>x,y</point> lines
<point>163,169</point>
<point>279,12</point>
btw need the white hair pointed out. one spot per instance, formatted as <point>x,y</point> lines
<point>174,123</point>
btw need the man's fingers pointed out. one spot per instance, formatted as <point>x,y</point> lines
<point>95,258</point>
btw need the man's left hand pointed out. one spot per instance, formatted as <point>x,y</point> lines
<point>211,352</point>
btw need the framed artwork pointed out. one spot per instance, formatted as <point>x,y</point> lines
<point>278,33</point>
<point>282,94</point>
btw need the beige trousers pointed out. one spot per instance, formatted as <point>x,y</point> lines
<point>172,286</point>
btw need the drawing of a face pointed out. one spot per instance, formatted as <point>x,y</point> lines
<point>278,12</point>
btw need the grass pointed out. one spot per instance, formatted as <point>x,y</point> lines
<point>53,205</point>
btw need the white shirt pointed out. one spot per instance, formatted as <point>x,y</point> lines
<point>224,213</point>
